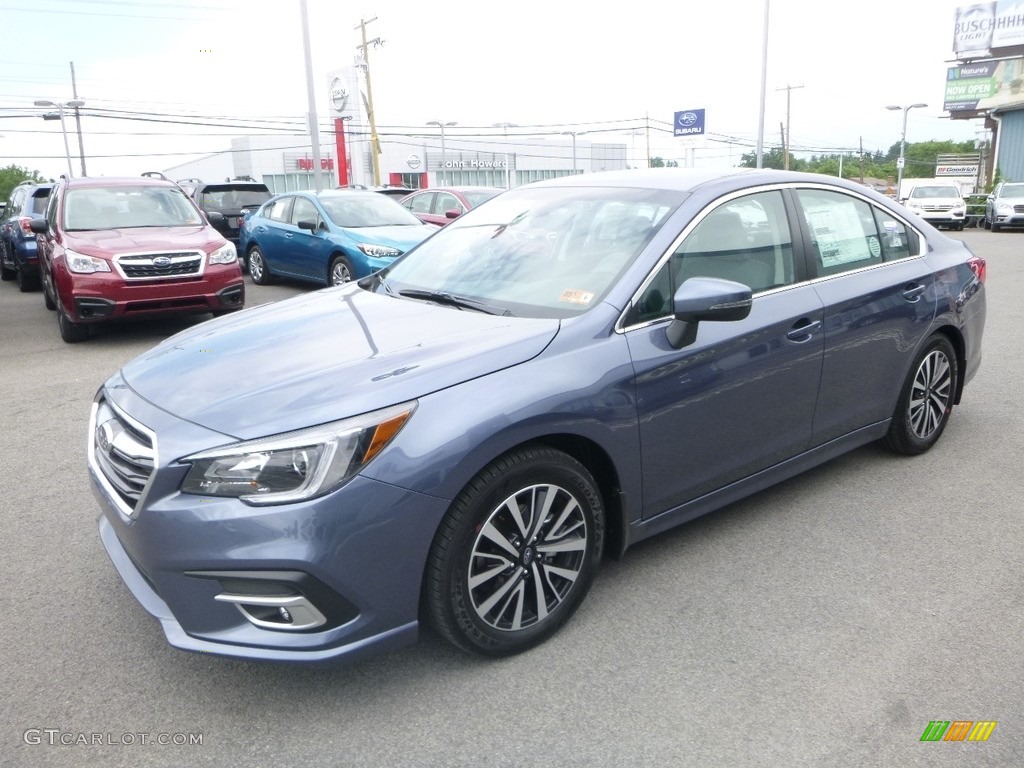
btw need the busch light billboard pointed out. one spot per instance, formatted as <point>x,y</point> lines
<point>689,122</point>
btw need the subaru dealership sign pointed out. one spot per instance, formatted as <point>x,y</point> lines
<point>689,122</point>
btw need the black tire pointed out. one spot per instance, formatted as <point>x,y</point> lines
<point>71,332</point>
<point>340,271</point>
<point>5,273</point>
<point>258,270</point>
<point>926,400</point>
<point>986,223</point>
<point>516,601</point>
<point>47,299</point>
<point>27,283</point>
<point>996,227</point>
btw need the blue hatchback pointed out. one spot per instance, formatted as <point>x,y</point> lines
<point>328,238</point>
<point>554,376</point>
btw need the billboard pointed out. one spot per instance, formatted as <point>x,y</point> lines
<point>984,85</point>
<point>995,28</point>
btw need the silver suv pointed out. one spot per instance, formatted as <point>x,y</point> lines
<point>1005,206</point>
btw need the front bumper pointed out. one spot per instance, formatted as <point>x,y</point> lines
<point>364,547</point>
<point>107,296</point>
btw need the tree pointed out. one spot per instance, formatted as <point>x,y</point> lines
<point>12,176</point>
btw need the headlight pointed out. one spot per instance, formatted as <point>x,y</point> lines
<point>1004,209</point>
<point>379,251</point>
<point>226,254</point>
<point>85,265</point>
<point>297,465</point>
<point>960,210</point>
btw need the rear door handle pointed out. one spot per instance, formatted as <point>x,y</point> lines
<point>913,292</point>
<point>803,330</point>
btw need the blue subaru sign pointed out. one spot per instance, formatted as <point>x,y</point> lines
<point>689,122</point>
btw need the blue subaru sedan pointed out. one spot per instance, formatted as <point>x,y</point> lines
<point>327,238</point>
<point>570,368</point>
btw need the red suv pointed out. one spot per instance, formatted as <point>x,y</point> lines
<point>131,247</point>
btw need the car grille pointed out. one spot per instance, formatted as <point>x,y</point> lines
<point>157,265</point>
<point>123,452</point>
<point>1018,209</point>
<point>939,208</point>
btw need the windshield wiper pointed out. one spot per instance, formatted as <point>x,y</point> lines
<point>454,301</point>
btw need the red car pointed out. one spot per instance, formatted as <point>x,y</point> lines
<point>439,205</point>
<point>131,247</point>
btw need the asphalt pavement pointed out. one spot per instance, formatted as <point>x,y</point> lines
<point>824,622</point>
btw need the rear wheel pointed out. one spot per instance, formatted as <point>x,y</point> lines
<point>26,282</point>
<point>516,553</point>
<point>340,272</point>
<point>258,267</point>
<point>927,399</point>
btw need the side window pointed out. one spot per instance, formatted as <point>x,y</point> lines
<point>746,240</point>
<point>421,203</point>
<point>280,209</point>
<point>844,235</point>
<point>446,202</point>
<point>304,210</point>
<point>51,211</point>
<point>895,237</point>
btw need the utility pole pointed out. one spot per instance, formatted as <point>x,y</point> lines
<point>374,140</point>
<point>314,123</point>
<point>78,118</point>
<point>788,89</point>
<point>764,80</point>
<point>861,159</point>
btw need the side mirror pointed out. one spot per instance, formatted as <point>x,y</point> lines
<point>215,218</point>
<point>39,226</point>
<point>706,299</point>
<point>454,213</point>
<point>308,224</point>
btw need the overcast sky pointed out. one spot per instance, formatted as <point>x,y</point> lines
<point>545,66</point>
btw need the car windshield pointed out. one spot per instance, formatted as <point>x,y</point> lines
<point>232,197</point>
<point>934,192</point>
<point>1012,190</point>
<point>368,209</point>
<point>124,207</point>
<point>535,252</point>
<point>475,197</point>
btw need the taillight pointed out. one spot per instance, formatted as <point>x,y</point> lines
<point>25,223</point>
<point>978,267</point>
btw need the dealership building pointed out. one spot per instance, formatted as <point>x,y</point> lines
<point>438,154</point>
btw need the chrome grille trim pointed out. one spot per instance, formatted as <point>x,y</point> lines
<point>122,453</point>
<point>160,265</point>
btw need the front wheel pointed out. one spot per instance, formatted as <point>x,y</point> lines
<point>258,267</point>
<point>340,272</point>
<point>71,332</point>
<point>926,400</point>
<point>516,553</point>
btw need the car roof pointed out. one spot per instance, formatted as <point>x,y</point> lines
<point>118,181</point>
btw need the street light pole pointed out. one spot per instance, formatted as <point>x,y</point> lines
<point>574,134</point>
<point>61,106</point>
<point>903,142</point>
<point>508,164</point>
<point>442,125</point>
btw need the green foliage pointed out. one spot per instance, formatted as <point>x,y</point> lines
<point>921,159</point>
<point>12,176</point>
<point>657,162</point>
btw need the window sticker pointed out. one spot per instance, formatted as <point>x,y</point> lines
<point>839,234</point>
<point>576,297</point>
<point>874,246</point>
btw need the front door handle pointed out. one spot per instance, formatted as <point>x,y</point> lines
<point>803,330</point>
<point>913,292</point>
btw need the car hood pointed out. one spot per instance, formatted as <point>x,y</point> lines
<point>325,356</point>
<point>400,236</point>
<point>108,242</point>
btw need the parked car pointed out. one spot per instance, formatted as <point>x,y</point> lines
<point>439,205</point>
<point>555,376</point>
<point>327,238</point>
<point>226,203</point>
<point>388,190</point>
<point>131,247</point>
<point>19,259</point>
<point>1005,206</point>
<point>939,203</point>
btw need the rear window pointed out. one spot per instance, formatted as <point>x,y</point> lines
<point>233,197</point>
